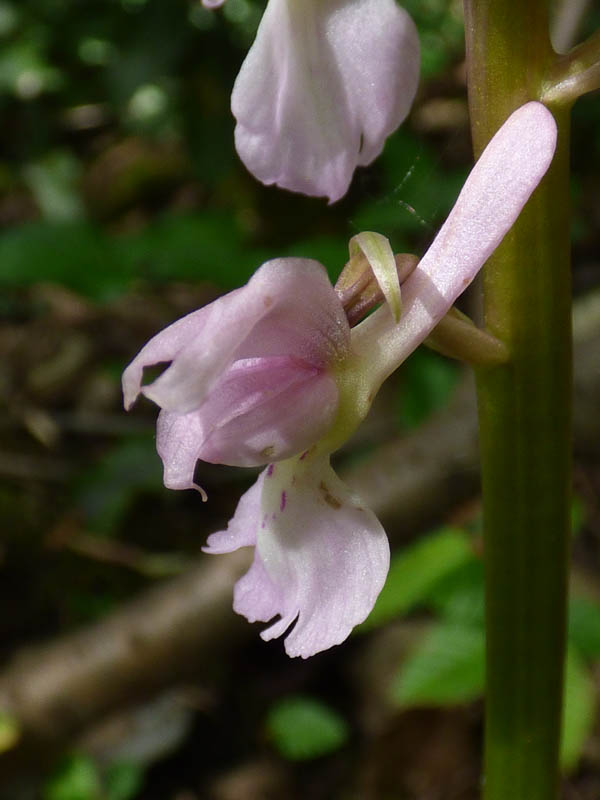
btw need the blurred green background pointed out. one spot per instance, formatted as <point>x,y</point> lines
<point>123,206</point>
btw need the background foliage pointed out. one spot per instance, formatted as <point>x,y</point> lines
<point>123,206</point>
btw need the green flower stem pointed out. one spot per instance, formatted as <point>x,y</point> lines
<point>524,408</point>
<point>574,74</point>
<point>456,336</point>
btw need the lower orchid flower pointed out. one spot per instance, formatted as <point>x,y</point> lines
<point>273,374</point>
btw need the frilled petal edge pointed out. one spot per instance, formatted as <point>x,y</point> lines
<point>321,556</point>
<point>243,526</point>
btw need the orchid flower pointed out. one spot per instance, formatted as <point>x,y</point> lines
<point>323,86</point>
<point>273,374</point>
<point>250,379</point>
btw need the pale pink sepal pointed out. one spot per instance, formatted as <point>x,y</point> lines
<point>500,184</point>
<point>287,308</point>
<point>323,86</point>
<point>321,556</point>
<point>212,3</point>
<point>178,440</point>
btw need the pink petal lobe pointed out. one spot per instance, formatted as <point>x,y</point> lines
<point>305,320</point>
<point>243,526</point>
<point>179,438</point>
<point>324,84</point>
<point>321,559</point>
<point>256,596</point>
<point>266,409</point>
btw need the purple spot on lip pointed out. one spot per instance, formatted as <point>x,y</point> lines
<point>270,469</point>
<point>283,500</point>
<point>303,456</point>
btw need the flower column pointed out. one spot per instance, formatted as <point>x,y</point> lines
<point>524,411</point>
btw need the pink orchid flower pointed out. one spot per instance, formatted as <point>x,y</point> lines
<point>273,373</point>
<point>251,377</point>
<point>323,86</point>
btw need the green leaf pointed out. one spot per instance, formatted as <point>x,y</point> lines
<point>441,31</point>
<point>76,778</point>
<point>579,710</point>
<point>331,251</point>
<point>584,625</point>
<point>208,246</point>
<point>74,254</point>
<point>10,731</point>
<point>416,193</point>
<point>123,781</point>
<point>53,182</point>
<point>577,515</point>
<point>446,667</point>
<point>428,382</point>
<point>106,489</point>
<point>302,728</point>
<point>459,596</point>
<point>416,569</point>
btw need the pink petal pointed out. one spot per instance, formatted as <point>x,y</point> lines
<point>243,526</point>
<point>306,319</point>
<point>266,409</point>
<point>492,198</point>
<point>256,596</point>
<point>324,84</point>
<point>321,558</point>
<point>212,3</point>
<point>178,441</point>
<point>255,590</point>
<point>262,409</point>
<point>165,346</point>
<point>287,308</point>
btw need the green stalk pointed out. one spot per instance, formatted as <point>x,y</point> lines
<point>524,410</point>
<point>575,73</point>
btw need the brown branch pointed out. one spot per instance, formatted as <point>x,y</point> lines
<point>55,690</point>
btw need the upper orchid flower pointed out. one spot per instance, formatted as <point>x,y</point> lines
<point>321,557</point>
<point>323,86</point>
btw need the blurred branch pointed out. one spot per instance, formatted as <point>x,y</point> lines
<point>55,690</point>
<point>567,20</point>
<point>28,467</point>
